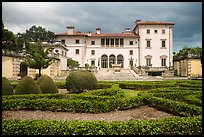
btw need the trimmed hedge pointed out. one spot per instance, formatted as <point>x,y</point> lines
<point>96,101</point>
<point>79,81</point>
<point>168,126</point>
<point>47,85</point>
<point>76,103</point>
<point>181,96</point>
<point>7,88</point>
<point>141,84</point>
<point>27,86</point>
<point>171,106</point>
<point>172,98</point>
<point>109,99</point>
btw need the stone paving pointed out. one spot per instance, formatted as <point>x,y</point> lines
<point>123,75</point>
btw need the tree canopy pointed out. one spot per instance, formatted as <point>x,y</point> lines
<point>72,63</point>
<point>187,52</point>
<point>9,40</point>
<point>37,57</point>
<point>37,34</point>
<point>12,42</point>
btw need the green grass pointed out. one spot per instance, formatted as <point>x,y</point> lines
<point>131,93</point>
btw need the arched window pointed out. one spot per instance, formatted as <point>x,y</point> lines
<point>23,69</point>
<point>112,60</point>
<point>104,61</point>
<point>120,60</point>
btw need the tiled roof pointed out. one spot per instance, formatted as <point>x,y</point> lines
<point>100,35</point>
<point>75,34</point>
<point>155,23</point>
<point>115,35</point>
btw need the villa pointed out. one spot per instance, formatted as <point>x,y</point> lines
<point>148,45</point>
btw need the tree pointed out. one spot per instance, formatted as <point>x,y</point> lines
<point>187,52</point>
<point>72,63</point>
<point>10,41</point>
<point>38,34</point>
<point>8,38</point>
<point>37,57</point>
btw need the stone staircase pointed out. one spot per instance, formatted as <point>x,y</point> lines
<point>109,74</point>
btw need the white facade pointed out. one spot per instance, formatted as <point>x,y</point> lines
<point>60,51</point>
<point>148,44</point>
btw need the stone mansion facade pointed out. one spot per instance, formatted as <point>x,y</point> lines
<point>148,44</point>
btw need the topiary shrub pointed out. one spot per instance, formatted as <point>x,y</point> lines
<point>40,79</point>
<point>7,88</point>
<point>47,85</point>
<point>27,86</point>
<point>78,81</point>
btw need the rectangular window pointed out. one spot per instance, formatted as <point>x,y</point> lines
<point>148,31</point>
<point>131,43</point>
<point>107,42</point>
<point>62,52</point>
<point>163,31</point>
<point>163,44</point>
<point>92,42</point>
<point>112,42</point>
<point>77,41</point>
<point>148,43</point>
<point>163,62</point>
<point>148,62</point>
<point>117,42</point>
<point>155,31</point>
<point>102,42</point>
<point>77,51</point>
<point>63,41</point>
<point>131,52</point>
<point>121,42</point>
<point>92,52</point>
<point>93,63</point>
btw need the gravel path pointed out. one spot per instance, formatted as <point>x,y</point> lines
<point>143,112</point>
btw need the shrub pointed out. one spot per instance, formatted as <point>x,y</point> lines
<point>78,81</point>
<point>27,86</point>
<point>173,126</point>
<point>7,88</point>
<point>47,85</point>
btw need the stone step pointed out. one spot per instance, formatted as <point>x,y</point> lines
<point>108,74</point>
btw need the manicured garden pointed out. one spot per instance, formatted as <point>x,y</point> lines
<point>179,97</point>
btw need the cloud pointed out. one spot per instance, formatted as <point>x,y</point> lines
<point>111,17</point>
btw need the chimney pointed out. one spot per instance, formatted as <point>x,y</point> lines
<point>70,29</point>
<point>98,30</point>
<point>127,29</point>
<point>89,33</point>
<point>136,22</point>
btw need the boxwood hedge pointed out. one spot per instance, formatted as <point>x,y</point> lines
<point>168,126</point>
<point>183,98</point>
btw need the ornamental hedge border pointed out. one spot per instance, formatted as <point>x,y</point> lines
<point>162,95</point>
<point>168,126</point>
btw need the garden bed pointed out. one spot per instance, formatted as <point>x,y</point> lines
<point>143,112</point>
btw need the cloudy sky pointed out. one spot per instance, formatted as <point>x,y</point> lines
<point>111,17</point>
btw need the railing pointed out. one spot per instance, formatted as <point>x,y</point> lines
<point>135,70</point>
<point>156,69</point>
